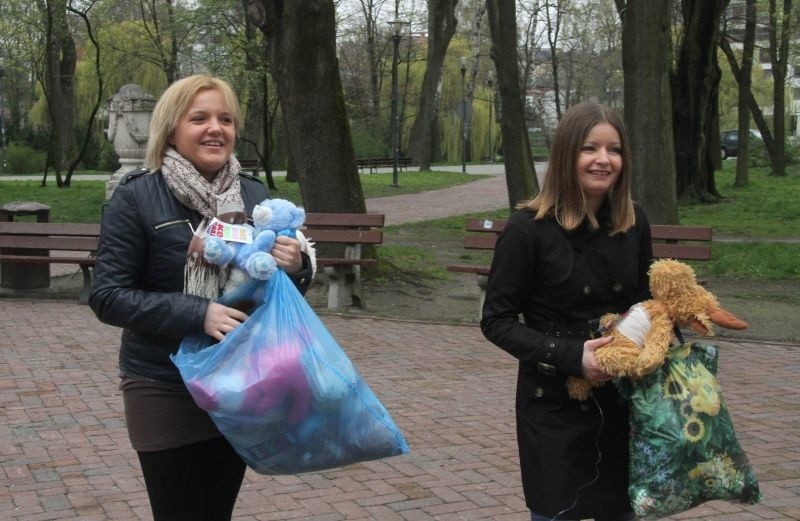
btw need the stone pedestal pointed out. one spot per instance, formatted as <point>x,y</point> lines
<point>129,112</point>
<point>22,276</point>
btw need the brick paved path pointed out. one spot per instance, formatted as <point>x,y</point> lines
<point>64,452</point>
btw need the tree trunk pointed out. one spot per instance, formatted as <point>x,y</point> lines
<point>553,29</point>
<point>87,134</point>
<point>255,133</point>
<point>59,82</point>
<point>711,161</point>
<point>475,43</point>
<point>520,175</point>
<point>755,111</point>
<point>744,80</point>
<point>646,33</point>
<point>693,81</point>
<point>423,140</point>
<point>778,56</point>
<point>302,46</point>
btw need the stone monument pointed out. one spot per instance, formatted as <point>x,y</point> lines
<point>129,112</point>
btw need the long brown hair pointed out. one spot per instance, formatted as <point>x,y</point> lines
<point>562,197</point>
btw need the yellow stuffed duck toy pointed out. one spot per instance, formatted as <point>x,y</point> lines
<point>641,337</point>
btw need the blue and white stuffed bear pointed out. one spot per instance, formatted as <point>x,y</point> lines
<point>271,217</point>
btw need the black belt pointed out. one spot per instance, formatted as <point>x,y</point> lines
<point>588,329</point>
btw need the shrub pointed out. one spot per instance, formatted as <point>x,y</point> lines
<point>107,160</point>
<point>23,159</point>
<point>368,140</point>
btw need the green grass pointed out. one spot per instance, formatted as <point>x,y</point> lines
<point>757,216</point>
<point>767,261</point>
<point>766,207</point>
<point>82,201</point>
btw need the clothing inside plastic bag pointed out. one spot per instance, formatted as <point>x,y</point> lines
<point>283,392</point>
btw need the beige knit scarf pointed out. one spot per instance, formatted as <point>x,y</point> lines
<point>220,198</point>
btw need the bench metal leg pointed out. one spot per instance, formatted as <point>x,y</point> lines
<point>344,287</point>
<point>87,284</point>
<point>482,281</point>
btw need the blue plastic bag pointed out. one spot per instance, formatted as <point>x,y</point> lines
<point>282,390</point>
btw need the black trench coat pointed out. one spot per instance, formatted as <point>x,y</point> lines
<point>559,281</point>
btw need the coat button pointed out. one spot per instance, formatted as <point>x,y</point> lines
<point>538,392</point>
<point>617,287</point>
<point>584,407</point>
<point>587,290</point>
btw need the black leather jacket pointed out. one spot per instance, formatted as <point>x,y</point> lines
<point>138,278</point>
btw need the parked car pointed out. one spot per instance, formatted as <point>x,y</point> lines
<point>729,142</point>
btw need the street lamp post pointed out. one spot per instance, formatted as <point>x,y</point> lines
<point>464,116</point>
<point>396,26</point>
<point>490,83</point>
<point>3,125</point>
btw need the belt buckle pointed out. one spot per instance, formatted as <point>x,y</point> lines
<point>546,369</point>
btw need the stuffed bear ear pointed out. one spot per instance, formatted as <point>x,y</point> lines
<point>262,215</point>
<point>298,217</point>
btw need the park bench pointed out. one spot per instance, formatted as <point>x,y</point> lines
<point>669,241</point>
<point>25,243</point>
<point>254,165</point>
<point>348,232</point>
<point>373,163</point>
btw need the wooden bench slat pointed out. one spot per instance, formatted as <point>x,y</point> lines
<point>480,242</point>
<point>681,251</point>
<point>66,229</point>
<point>44,259</point>
<point>469,268</point>
<point>345,262</point>
<point>315,220</point>
<point>681,233</point>
<point>486,225</point>
<point>345,236</point>
<point>46,242</point>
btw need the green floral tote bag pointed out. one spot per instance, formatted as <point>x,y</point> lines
<point>683,446</point>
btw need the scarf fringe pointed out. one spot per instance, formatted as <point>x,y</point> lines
<point>202,279</point>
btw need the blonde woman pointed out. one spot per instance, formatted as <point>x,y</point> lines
<point>151,282</point>
<point>579,249</point>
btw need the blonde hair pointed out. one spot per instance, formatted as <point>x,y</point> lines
<point>562,197</point>
<point>173,104</point>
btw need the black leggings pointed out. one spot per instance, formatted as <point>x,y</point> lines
<point>197,482</point>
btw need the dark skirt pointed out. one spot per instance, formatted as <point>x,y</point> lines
<point>163,416</point>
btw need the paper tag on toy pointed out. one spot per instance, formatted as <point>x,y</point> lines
<point>230,232</point>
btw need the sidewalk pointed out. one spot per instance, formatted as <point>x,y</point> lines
<point>64,452</point>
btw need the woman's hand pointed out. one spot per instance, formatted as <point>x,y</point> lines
<point>287,254</point>
<point>221,320</point>
<point>591,371</point>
